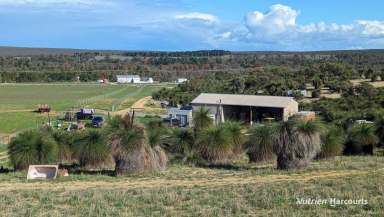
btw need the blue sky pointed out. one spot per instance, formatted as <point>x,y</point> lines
<point>295,25</point>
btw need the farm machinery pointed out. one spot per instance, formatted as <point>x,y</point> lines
<point>42,108</point>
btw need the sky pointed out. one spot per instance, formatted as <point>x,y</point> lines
<point>178,25</point>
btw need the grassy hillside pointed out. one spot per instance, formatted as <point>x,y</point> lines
<point>238,190</point>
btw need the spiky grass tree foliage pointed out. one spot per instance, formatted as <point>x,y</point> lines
<point>332,142</point>
<point>131,150</point>
<point>298,142</point>
<point>182,142</point>
<point>156,132</point>
<point>32,147</point>
<point>201,119</point>
<point>92,148</point>
<point>65,141</point>
<point>361,139</point>
<point>261,141</point>
<point>237,137</point>
<point>215,144</point>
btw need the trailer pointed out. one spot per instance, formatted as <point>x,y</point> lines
<point>42,108</point>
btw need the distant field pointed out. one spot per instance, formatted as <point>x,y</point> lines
<point>241,190</point>
<point>17,101</point>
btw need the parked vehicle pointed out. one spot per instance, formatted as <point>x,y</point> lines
<point>97,121</point>
<point>43,108</point>
<point>85,114</point>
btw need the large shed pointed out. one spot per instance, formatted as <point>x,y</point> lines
<point>246,108</point>
<point>128,79</point>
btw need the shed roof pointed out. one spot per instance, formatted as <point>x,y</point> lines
<point>244,100</point>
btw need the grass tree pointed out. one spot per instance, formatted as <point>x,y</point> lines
<point>32,147</point>
<point>130,147</point>
<point>332,142</point>
<point>297,143</point>
<point>156,132</point>
<point>215,144</point>
<point>182,142</point>
<point>237,137</point>
<point>260,142</point>
<point>92,148</point>
<point>361,139</point>
<point>201,119</point>
<point>66,144</point>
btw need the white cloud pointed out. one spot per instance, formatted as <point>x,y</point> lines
<point>196,16</point>
<point>277,29</point>
<point>280,18</point>
<point>372,27</point>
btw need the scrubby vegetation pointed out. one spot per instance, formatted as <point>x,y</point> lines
<point>137,148</point>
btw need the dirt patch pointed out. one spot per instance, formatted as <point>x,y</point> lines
<point>138,105</point>
<point>331,95</point>
<point>161,182</point>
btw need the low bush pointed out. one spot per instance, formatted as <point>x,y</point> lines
<point>32,147</point>
<point>333,141</point>
<point>361,139</point>
<point>260,142</point>
<point>215,144</point>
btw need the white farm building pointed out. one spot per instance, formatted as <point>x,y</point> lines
<point>135,79</point>
<point>128,79</point>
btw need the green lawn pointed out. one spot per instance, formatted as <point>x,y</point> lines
<point>240,190</point>
<point>18,100</point>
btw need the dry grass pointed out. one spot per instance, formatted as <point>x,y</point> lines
<point>376,84</point>
<point>237,189</point>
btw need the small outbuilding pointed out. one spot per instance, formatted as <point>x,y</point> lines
<point>246,108</point>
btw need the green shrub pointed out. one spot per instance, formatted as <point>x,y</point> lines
<point>215,144</point>
<point>92,148</point>
<point>182,143</point>
<point>66,144</point>
<point>332,143</point>
<point>237,137</point>
<point>156,132</point>
<point>361,139</point>
<point>32,147</point>
<point>201,119</point>
<point>260,142</point>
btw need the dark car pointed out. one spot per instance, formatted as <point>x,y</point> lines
<point>97,121</point>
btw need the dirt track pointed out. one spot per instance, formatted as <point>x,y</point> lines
<point>138,105</point>
<point>161,182</point>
